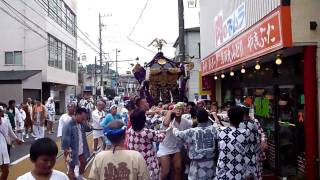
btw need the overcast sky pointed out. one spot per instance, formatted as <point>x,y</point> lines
<point>159,20</point>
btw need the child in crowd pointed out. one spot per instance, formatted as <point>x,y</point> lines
<point>20,123</point>
<point>43,154</point>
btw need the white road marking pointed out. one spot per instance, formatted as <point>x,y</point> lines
<point>21,159</point>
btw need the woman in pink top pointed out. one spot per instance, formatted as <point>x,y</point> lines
<point>141,139</point>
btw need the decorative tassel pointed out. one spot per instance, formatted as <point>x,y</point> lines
<point>171,98</point>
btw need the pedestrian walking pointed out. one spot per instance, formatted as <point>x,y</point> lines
<point>28,122</point>
<point>66,118</point>
<point>118,163</point>
<point>90,108</point>
<point>13,113</point>
<point>43,154</point>
<point>38,116</point>
<point>50,109</point>
<point>7,136</point>
<point>74,143</point>
<point>20,123</point>
<point>142,139</point>
<point>97,116</point>
<point>113,115</point>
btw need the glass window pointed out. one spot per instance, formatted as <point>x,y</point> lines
<point>13,58</point>
<point>60,4</point>
<point>69,59</point>
<point>60,55</point>
<point>62,15</point>
<point>53,9</point>
<point>18,57</point>
<point>53,52</point>
<point>57,51</point>
<point>9,58</point>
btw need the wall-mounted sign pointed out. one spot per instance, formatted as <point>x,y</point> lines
<point>265,37</point>
<point>192,3</point>
<point>228,27</point>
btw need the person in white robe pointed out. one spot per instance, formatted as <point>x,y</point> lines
<point>7,136</point>
<point>20,123</point>
<point>97,116</point>
<point>50,108</point>
<point>66,118</point>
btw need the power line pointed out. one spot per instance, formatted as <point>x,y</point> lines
<point>83,40</point>
<point>141,46</point>
<point>11,7</point>
<point>33,50</point>
<point>21,22</point>
<point>39,2</point>
<point>140,16</point>
<point>75,26</point>
<point>134,27</point>
<point>26,4</point>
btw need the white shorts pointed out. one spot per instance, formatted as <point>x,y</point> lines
<point>163,150</point>
<point>97,134</point>
<point>51,117</point>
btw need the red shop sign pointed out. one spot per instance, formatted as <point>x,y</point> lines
<point>265,37</point>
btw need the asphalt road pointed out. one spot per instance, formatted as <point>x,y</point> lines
<point>20,163</point>
<point>19,151</point>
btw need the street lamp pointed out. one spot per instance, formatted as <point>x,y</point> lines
<point>81,57</point>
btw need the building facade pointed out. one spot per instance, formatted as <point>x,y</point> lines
<point>128,85</point>
<point>41,35</point>
<point>192,49</point>
<point>264,54</point>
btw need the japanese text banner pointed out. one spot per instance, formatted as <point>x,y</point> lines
<point>262,38</point>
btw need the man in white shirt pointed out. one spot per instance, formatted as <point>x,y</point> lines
<point>65,118</point>
<point>170,147</point>
<point>97,117</point>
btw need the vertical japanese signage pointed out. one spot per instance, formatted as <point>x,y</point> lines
<point>229,27</point>
<point>264,37</point>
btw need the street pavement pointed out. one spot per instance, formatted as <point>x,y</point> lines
<point>21,164</point>
<point>19,151</point>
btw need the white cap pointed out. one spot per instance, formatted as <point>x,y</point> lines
<point>113,106</point>
<point>1,108</point>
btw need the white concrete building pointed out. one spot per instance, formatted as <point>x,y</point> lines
<point>41,35</point>
<point>192,44</point>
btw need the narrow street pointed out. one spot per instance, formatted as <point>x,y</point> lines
<point>20,162</point>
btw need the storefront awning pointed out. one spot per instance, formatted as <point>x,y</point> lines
<point>268,35</point>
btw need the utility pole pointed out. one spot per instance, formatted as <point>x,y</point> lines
<point>182,56</point>
<point>181,32</point>
<point>100,54</point>
<point>95,77</point>
<point>117,87</point>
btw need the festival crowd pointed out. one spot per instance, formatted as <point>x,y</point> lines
<point>183,140</point>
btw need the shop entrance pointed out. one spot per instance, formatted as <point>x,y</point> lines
<point>276,95</point>
<point>280,110</point>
